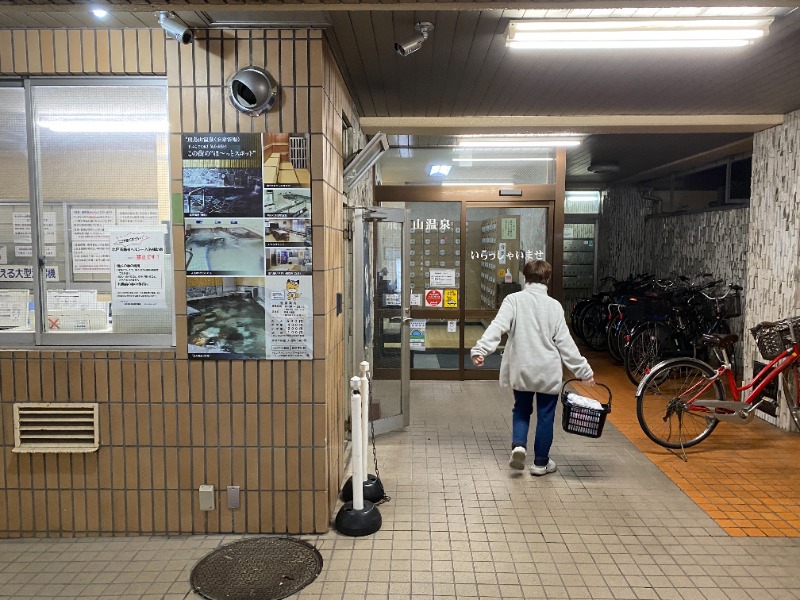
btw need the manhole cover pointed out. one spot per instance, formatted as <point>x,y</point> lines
<point>256,568</point>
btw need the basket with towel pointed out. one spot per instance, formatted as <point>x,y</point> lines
<point>582,414</point>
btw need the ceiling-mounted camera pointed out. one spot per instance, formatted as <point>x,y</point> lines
<point>174,29</point>
<point>414,43</point>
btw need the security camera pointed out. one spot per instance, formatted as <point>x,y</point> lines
<point>414,43</point>
<point>174,29</point>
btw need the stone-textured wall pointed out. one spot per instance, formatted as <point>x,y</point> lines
<point>773,273</point>
<point>621,247</point>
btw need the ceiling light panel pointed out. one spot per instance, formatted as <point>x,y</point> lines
<point>672,32</point>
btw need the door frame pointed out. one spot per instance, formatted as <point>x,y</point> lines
<point>364,309</point>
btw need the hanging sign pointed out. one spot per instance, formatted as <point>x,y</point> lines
<point>137,268</point>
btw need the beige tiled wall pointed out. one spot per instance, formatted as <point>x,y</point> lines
<point>274,428</point>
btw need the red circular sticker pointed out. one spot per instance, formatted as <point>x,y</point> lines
<point>433,298</point>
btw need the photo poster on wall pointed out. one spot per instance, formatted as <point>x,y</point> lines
<point>248,245</point>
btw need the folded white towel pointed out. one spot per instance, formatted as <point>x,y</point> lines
<point>583,401</point>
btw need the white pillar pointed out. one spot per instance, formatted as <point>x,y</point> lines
<point>364,387</point>
<point>358,448</point>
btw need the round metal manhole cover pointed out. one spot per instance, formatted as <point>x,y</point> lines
<point>256,568</point>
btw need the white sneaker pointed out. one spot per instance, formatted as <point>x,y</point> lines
<point>517,460</point>
<point>549,468</point>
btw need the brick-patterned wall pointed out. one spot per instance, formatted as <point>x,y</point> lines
<point>168,424</point>
<point>773,268</point>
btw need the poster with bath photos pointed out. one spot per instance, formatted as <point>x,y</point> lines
<point>226,317</point>
<point>289,317</point>
<point>247,239</point>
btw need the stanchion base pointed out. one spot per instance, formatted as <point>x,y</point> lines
<point>373,490</point>
<point>356,523</point>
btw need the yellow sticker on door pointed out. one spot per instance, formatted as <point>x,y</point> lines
<point>451,298</point>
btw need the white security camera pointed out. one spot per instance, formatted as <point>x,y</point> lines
<point>414,43</point>
<point>174,29</point>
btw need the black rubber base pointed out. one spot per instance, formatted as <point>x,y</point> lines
<point>373,489</point>
<point>356,523</point>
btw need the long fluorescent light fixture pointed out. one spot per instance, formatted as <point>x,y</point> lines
<point>502,159</point>
<point>518,141</point>
<point>100,126</point>
<point>565,34</point>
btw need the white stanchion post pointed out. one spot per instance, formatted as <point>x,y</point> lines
<point>364,387</point>
<point>358,447</point>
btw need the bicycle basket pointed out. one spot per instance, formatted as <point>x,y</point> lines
<point>581,420</point>
<point>774,339</point>
<point>730,306</point>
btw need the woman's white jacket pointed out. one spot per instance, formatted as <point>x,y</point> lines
<point>538,342</point>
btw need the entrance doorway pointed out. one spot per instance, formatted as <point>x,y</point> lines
<point>465,256</point>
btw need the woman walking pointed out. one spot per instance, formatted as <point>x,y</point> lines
<point>538,343</point>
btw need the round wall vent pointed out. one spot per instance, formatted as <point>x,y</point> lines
<point>252,91</point>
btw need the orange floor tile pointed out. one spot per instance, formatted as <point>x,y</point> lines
<point>745,477</point>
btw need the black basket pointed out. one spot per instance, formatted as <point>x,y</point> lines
<point>774,338</point>
<point>579,420</point>
<point>642,308</point>
<point>726,307</point>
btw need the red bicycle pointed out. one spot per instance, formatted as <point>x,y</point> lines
<point>681,401</point>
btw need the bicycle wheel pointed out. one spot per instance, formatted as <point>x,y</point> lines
<point>645,349</point>
<point>661,405</point>
<point>791,392</point>
<point>593,325</point>
<point>612,334</point>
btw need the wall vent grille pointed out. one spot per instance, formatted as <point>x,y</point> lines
<point>56,427</point>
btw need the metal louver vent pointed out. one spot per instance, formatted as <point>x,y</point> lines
<point>55,427</point>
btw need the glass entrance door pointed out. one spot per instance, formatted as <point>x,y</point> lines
<point>382,319</point>
<point>498,242</point>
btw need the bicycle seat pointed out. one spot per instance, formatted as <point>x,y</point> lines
<point>723,340</point>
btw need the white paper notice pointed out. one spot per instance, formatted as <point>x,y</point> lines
<point>14,308</point>
<point>92,223</point>
<point>137,260</point>
<point>417,335</point>
<point>49,250</point>
<point>137,216</point>
<point>3,255</point>
<point>90,257</point>
<point>21,226</point>
<point>452,326</point>
<point>23,251</point>
<point>25,273</point>
<point>416,300</point>
<point>49,228</point>
<point>501,253</point>
<point>443,277</point>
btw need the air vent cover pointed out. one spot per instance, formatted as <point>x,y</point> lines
<point>56,427</point>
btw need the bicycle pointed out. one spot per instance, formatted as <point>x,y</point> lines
<point>682,400</point>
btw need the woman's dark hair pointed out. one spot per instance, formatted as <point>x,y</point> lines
<point>537,271</point>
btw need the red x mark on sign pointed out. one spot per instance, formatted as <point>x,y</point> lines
<point>53,323</point>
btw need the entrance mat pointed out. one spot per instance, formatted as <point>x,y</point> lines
<point>267,568</point>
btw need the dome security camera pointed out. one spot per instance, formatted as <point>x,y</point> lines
<point>174,29</point>
<point>414,43</point>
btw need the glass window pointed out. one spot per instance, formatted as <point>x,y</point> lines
<point>16,257</point>
<point>103,213</point>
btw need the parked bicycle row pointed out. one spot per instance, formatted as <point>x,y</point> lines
<point>643,320</point>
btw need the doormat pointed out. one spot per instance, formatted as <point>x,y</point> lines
<point>266,568</point>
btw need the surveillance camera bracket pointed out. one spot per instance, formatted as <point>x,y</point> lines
<point>424,28</point>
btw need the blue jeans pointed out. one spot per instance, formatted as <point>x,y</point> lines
<point>545,414</point>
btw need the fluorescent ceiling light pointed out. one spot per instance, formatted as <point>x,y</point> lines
<point>636,33</point>
<point>99,12</point>
<point>511,159</point>
<point>440,170</point>
<point>522,143</point>
<point>476,183</point>
<point>99,126</point>
<point>583,196</point>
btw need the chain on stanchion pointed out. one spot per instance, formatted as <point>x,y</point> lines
<point>386,496</point>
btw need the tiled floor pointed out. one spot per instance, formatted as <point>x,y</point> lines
<point>608,524</point>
